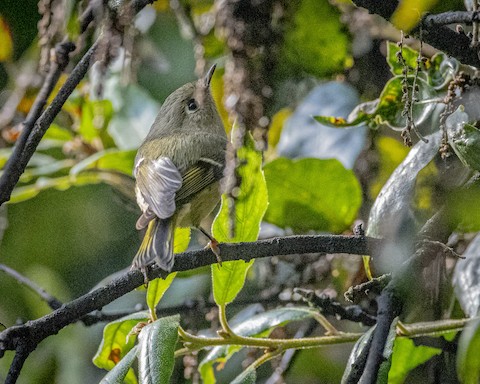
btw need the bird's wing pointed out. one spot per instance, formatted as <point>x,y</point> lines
<point>206,171</point>
<point>157,182</point>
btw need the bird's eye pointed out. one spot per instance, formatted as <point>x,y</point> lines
<point>192,105</point>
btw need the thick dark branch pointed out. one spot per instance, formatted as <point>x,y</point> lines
<point>14,168</point>
<point>52,301</point>
<point>438,36</point>
<point>35,331</point>
<point>452,17</point>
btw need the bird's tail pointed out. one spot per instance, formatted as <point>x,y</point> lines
<point>157,245</point>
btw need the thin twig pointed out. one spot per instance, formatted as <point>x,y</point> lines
<point>52,301</point>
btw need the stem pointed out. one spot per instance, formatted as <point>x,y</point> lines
<point>329,328</point>
<point>222,317</point>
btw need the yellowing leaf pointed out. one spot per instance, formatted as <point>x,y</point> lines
<point>409,12</point>
<point>6,43</point>
<point>216,88</point>
<point>276,126</point>
<point>161,5</point>
<point>391,153</point>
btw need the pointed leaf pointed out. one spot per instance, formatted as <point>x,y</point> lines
<point>116,342</point>
<point>155,291</point>
<point>157,343</point>
<point>250,206</point>
<point>392,205</point>
<point>110,159</point>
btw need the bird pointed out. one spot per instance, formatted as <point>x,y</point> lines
<point>177,170</point>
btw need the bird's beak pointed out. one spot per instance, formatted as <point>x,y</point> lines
<point>208,76</point>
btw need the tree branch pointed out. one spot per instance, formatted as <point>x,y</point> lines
<point>37,122</point>
<point>433,31</point>
<point>33,332</point>
<point>52,301</point>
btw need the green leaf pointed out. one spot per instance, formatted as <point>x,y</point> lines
<point>249,376</point>
<point>57,133</point>
<point>110,159</point>
<point>119,373</point>
<point>96,115</point>
<point>228,280</point>
<point>406,356</point>
<point>312,194</point>
<point>459,208</point>
<point>250,206</point>
<point>155,291</point>
<point>260,325</point>
<point>306,50</point>
<point>157,343</point>
<point>466,144</point>
<point>409,55</point>
<point>116,342</point>
<point>468,358</point>
<point>65,182</point>
<point>388,108</point>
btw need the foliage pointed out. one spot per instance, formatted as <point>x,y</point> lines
<point>432,103</point>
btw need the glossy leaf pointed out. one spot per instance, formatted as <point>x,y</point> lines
<point>250,206</point>
<point>468,358</point>
<point>392,205</point>
<point>303,137</point>
<point>321,53</point>
<point>311,194</point>
<point>360,345</point>
<point>157,343</point>
<point>119,373</point>
<point>110,159</point>
<point>257,326</point>
<point>248,376</point>
<point>155,291</point>
<point>116,342</point>
<point>466,280</point>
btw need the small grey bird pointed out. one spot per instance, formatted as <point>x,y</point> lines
<point>177,170</point>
